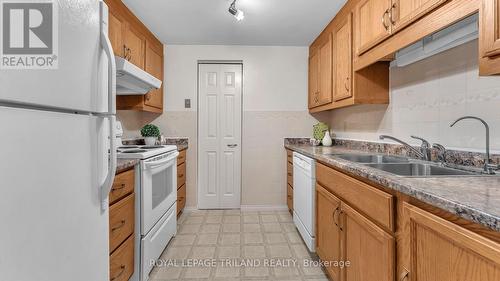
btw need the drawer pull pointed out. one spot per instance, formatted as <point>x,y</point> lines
<point>181,175</point>
<point>122,270</point>
<point>122,186</point>
<point>290,174</point>
<point>404,275</point>
<point>122,223</point>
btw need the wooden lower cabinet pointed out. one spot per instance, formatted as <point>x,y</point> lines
<point>369,249</point>
<point>425,245</point>
<point>181,181</point>
<point>289,180</point>
<point>121,227</point>
<point>443,251</point>
<point>328,233</point>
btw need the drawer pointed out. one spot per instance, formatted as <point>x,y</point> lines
<point>122,186</point>
<point>121,262</point>
<point>289,156</point>
<point>181,198</point>
<point>374,203</point>
<point>181,175</point>
<point>121,221</point>
<point>289,173</point>
<point>182,157</point>
<point>289,197</point>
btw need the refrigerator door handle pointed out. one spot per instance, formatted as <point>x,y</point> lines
<point>108,48</point>
<point>110,176</point>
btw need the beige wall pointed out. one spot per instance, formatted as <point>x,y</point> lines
<point>425,98</point>
<point>274,107</point>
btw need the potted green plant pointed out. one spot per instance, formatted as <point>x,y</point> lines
<point>150,133</point>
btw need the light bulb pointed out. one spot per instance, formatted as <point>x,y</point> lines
<point>239,15</point>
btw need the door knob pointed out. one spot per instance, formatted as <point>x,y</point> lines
<point>232,145</point>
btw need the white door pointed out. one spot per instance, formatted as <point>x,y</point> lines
<point>219,136</point>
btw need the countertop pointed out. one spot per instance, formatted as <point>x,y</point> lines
<point>475,198</point>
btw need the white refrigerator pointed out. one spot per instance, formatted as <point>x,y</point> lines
<point>57,155</point>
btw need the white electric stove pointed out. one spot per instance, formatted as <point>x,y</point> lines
<point>156,201</point>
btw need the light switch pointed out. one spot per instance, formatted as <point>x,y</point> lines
<point>187,103</point>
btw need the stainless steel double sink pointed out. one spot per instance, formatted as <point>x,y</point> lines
<point>402,166</point>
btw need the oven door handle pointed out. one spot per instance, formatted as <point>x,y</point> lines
<point>149,165</point>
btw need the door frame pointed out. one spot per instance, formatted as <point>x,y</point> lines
<point>225,62</point>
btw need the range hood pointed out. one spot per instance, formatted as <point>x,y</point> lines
<point>457,34</point>
<point>131,80</point>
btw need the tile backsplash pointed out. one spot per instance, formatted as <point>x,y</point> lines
<point>426,97</point>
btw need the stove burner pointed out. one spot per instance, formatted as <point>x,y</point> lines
<point>151,146</point>
<point>133,151</point>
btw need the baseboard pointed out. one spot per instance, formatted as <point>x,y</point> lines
<point>264,207</point>
<point>250,208</point>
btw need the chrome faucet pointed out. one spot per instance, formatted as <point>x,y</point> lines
<point>441,152</point>
<point>488,168</point>
<point>424,152</point>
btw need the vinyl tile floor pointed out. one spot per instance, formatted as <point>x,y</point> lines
<point>237,245</point>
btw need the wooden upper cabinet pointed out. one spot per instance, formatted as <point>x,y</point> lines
<point>132,40</point>
<point>370,250</point>
<point>489,37</point>
<point>325,71</point>
<point>404,12</point>
<point>441,250</point>
<point>328,234</point>
<point>135,44</point>
<point>117,26</point>
<point>372,23</point>
<point>343,59</point>
<point>490,17</point>
<point>154,66</point>
<point>313,79</point>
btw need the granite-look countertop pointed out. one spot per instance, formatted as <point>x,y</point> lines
<point>124,164</point>
<point>475,198</point>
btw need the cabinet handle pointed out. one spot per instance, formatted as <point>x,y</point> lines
<point>181,175</point>
<point>148,96</point>
<point>130,54</point>
<point>391,14</point>
<point>340,224</point>
<point>386,26</point>
<point>122,223</point>
<point>334,216</point>
<point>122,186</point>
<point>404,275</point>
<point>346,84</point>
<point>125,51</point>
<point>290,174</point>
<point>122,270</point>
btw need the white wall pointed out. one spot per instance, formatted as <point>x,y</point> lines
<point>425,98</point>
<point>274,107</point>
<point>275,78</point>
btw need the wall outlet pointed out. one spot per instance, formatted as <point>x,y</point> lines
<point>187,103</point>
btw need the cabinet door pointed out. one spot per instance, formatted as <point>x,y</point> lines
<point>154,66</point>
<point>490,28</point>
<point>372,23</point>
<point>135,44</point>
<point>404,12</point>
<point>370,250</point>
<point>343,60</point>
<point>441,250</point>
<point>116,30</point>
<point>313,79</point>
<point>325,71</point>
<point>328,234</point>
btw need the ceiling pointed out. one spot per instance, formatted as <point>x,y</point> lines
<point>208,22</point>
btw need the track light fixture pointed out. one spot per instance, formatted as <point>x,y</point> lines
<point>237,13</point>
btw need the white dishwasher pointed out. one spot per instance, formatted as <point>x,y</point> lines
<point>304,198</point>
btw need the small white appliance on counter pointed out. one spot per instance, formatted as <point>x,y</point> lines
<point>156,211</point>
<point>304,198</point>
<point>58,154</point>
